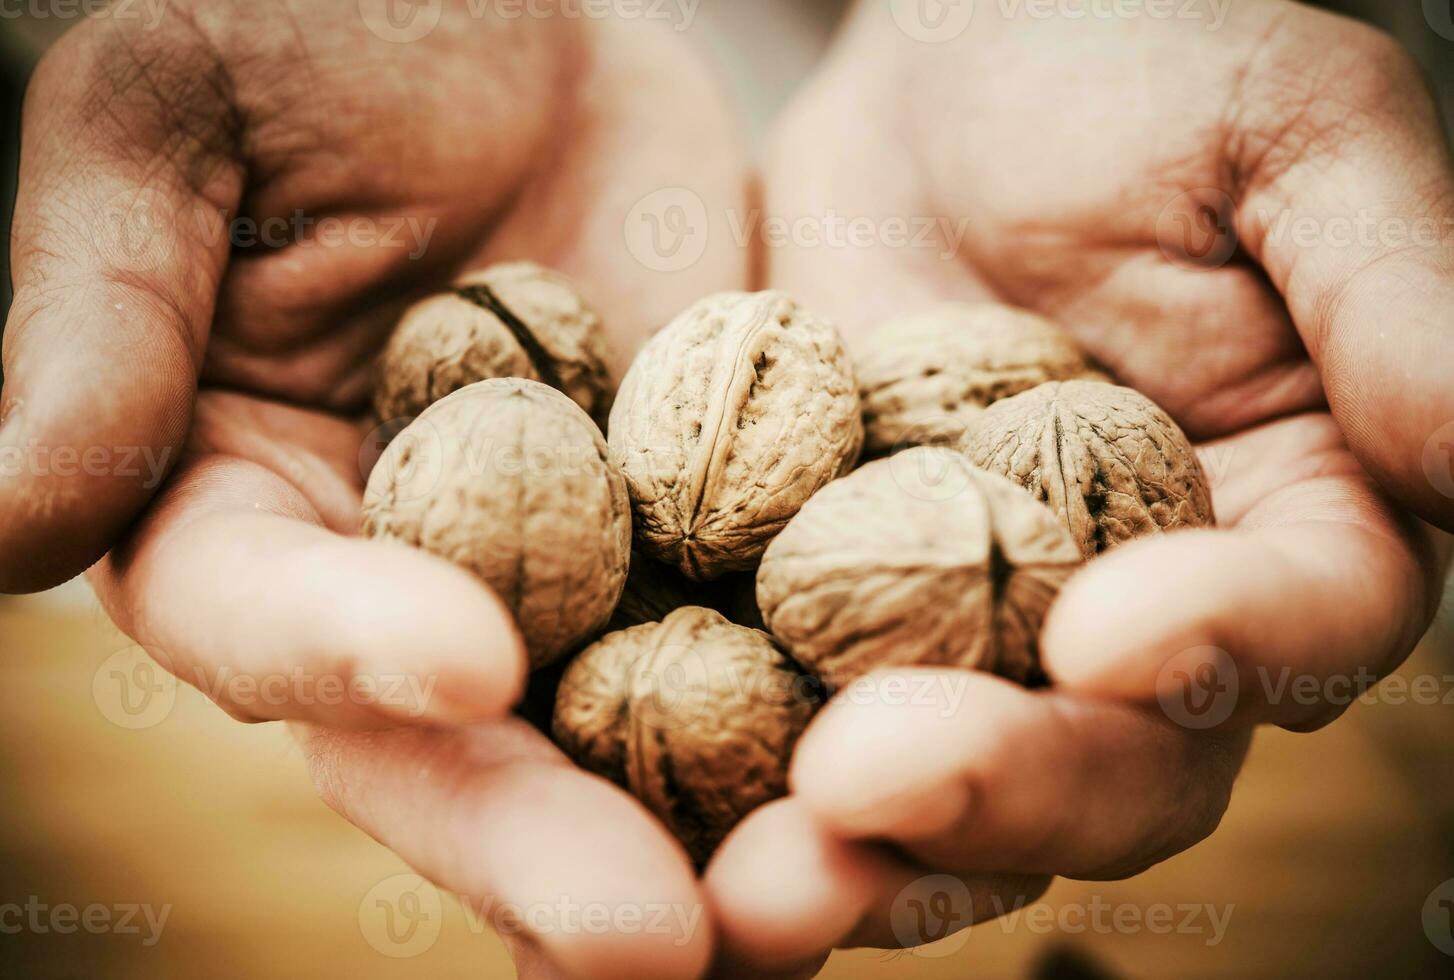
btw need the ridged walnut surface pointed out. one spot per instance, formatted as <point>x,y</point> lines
<point>734,414</point>
<point>925,378</point>
<point>918,559</point>
<point>509,479</point>
<point>694,716</point>
<point>445,342</point>
<point>1107,459</point>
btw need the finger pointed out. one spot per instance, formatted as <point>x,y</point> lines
<point>233,584</point>
<point>967,771</point>
<point>1341,141</point>
<point>494,813</point>
<point>1320,588</point>
<point>786,891</point>
<point>126,162</point>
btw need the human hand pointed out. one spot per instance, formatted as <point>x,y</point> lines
<point>1059,162</point>
<point>147,153</point>
<point>143,151</point>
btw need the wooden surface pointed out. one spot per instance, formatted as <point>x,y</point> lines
<point>1332,845</point>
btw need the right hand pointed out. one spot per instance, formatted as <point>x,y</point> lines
<point>136,323</point>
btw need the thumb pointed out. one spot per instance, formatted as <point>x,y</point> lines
<point>118,250</point>
<point>1350,208</point>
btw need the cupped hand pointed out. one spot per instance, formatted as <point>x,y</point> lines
<point>1253,223</point>
<point>218,220</point>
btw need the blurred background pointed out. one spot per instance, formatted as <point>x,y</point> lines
<point>150,836</point>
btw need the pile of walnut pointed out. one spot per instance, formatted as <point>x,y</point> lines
<point>727,495</point>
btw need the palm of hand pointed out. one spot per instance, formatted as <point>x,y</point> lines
<point>1063,164</point>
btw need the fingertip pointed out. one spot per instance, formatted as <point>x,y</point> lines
<point>784,891</point>
<point>428,630</point>
<point>88,432</point>
<point>890,760</point>
<point>1116,622</point>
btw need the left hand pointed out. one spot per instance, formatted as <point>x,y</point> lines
<point>1278,360</point>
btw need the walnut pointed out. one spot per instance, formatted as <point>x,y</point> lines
<point>734,414</point>
<point>509,479</point>
<point>1107,459</point>
<point>694,716</point>
<point>920,558</point>
<point>513,320</point>
<point>925,378</point>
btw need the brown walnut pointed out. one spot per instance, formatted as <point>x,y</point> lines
<point>1107,459</point>
<point>693,715</point>
<point>730,417</point>
<point>512,320</point>
<point>926,377</point>
<point>509,479</point>
<point>918,559</point>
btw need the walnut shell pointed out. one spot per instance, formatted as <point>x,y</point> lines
<point>512,320</point>
<point>922,559</point>
<point>1107,459</point>
<point>731,416</point>
<point>925,378</point>
<point>509,479</point>
<point>694,716</point>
